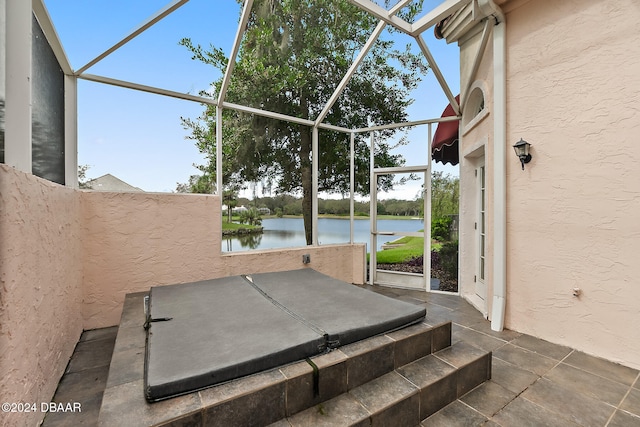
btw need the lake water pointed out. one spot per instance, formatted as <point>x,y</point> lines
<point>289,232</point>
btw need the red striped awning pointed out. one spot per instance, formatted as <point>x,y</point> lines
<point>444,147</point>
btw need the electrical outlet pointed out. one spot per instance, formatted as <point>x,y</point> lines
<point>306,259</point>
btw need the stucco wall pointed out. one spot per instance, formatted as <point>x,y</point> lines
<point>573,90</point>
<point>137,240</point>
<point>40,294</point>
<point>343,262</point>
<point>476,148</point>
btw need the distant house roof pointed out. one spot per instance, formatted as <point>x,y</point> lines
<point>109,182</point>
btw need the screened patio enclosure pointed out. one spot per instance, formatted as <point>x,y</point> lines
<point>19,123</point>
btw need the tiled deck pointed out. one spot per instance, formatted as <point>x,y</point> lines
<point>534,382</point>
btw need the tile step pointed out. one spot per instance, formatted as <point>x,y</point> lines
<point>405,396</point>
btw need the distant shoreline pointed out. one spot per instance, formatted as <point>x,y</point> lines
<point>242,231</point>
<point>356,217</point>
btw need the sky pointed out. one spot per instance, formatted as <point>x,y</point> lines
<point>139,137</point>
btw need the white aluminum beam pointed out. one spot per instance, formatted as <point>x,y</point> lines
<point>209,101</point>
<point>219,183</point>
<point>426,217</point>
<point>70,131</point>
<point>42,15</point>
<point>400,233</point>
<point>438,74</point>
<point>136,32</point>
<point>269,114</point>
<point>336,128</point>
<point>373,208</point>
<point>400,169</point>
<point>17,141</point>
<point>383,15</point>
<point>351,71</point>
<point>352,186</point>
<point>407,124</point>
<point>246,12</point>
<point>436,15</point>
<point>148,89</point>
<point>315,161</point>
<point>395,9</point>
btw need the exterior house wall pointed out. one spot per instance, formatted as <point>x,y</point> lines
<point>40,288</point>
<point>572,216</point>
<point>475,144</point>
<point>573,81</point>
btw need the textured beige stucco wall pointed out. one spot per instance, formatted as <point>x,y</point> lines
<point>136,240</point>
<point>573,214</point>
<point>476,148</point>
<point>40,288</point>
<point>133,241</point>
<point>343,262</point>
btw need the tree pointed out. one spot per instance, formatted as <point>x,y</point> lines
<point>83,181</point>
<point>201,184</point>
<point>445,195</point>
<point>293,55</point>
<point>230,198</point>
<point>250,216</point>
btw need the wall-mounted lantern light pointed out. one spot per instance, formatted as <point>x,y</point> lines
<point>522,151</point>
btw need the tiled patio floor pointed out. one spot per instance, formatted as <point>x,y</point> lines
<point>534,382</point>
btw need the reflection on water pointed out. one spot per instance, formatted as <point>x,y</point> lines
<point>244,241</point>
<point>289,232</point>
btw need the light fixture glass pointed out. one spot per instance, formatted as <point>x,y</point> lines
<point>522,151</point>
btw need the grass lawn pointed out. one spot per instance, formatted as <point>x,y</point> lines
<point>235,226</point>
<point>411,247</point>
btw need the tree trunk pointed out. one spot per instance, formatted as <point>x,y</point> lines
<point>307,182</point>
<point>305,170</point>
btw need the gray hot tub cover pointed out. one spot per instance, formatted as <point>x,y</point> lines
<point>205,333</point>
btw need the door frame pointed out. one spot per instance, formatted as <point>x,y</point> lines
<point>400,279</point>
<point>480,288</point>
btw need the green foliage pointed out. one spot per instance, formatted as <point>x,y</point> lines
<point>293,56</point>
<point>289,205</point>
<point>333,207</point>
<point>250,216</point>
<point>449,259</point>
<point>226,226</point>
<point>83,181</point>
<point>397,207</point>
<point>230,199</point>
<point>441,228</point>
<point>293,208</point>
<point>201,184</point>
<point>445,195</point>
